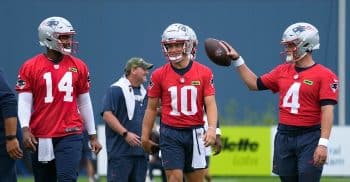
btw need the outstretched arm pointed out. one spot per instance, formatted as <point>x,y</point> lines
<point>247,75</point>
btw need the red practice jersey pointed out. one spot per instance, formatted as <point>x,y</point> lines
<point>300,93</point>
<point>182,97</point>
<point>55,88</point>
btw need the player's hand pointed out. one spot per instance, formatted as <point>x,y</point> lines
<point>230,50</point>
<point>96,147</point>
<point>149,146</point>
<point>13,149</point>
<point>320,155</point>
<point>217,146</point>
<point>210,136</point>
<point>29,140</point>
<point>132,139</point>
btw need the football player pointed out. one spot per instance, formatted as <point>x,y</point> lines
<point>184,87</point>
<point>308,92</point>
<point>54,104</point>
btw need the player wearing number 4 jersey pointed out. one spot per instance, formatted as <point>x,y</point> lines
<point>54,104</point>
<point>307,95</point>
<point>184,87</point>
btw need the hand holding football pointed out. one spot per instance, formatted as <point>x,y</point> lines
<point>216,52</point>
<point>155,138</point>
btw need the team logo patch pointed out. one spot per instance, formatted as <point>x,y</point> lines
<point>20,83</point>
<point>212,81</point>
<point>88,77</point>
<point>308,82</point>
<point>196,83</point>
<point>150,84</point>
<point>72,69</point>
<point>334,85</point>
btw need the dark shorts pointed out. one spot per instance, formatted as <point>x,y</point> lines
<point>7,169</point>
<point>177,151</point>
<point>125,169</point>
<point>293,153</point>
<point>65,166</point>
<point>207,159</point>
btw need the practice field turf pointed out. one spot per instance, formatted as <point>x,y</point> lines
<point>223,179</point>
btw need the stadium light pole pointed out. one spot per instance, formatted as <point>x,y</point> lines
<point>341,60</point>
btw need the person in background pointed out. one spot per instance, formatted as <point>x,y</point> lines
<point>124,105</point>
<point>10,149</point>
<point>54,105</point>
<point>89,159</point>
<point>208,150</point>
<point>155,161</point>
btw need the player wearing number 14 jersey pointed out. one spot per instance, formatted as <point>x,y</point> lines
<point>308,92</point>
<point>54,104</point>
<point>55,88</point>
<point>183,87</point>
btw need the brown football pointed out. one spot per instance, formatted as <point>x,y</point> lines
<point>155,138</point>
<point>216,52</point>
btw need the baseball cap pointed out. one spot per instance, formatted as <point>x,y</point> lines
<point>135,62</point>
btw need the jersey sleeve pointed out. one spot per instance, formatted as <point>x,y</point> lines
<point>84,80</point>
<point>329,87</point>
<point>209,88</point>
<point>24,82</point>
<point>270,80</point>
<point>154,86</point>
<point>8,101</point>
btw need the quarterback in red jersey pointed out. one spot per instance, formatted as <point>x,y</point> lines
<point>308,92</point>
<point>54,104</point>
<point>184,87</point>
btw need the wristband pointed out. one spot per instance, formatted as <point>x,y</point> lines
<point>323,142</point>
<point>238,62</point>
<point>218,131</point>
<point>125,133</point>
<point>210,127</point>
<point>10,137</point>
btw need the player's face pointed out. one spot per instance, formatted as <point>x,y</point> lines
<point>66,41</point>
<point>290,50</point>
<point>290,47</point>
<point>175,51</point>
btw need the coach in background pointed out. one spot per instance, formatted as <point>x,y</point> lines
<point>124,105</point>
<point>54,104</point>
<point>308,92</point>
<point>9,146</point>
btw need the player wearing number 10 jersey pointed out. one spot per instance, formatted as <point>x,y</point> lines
<point>182,95</point>
<point>308,92</point>
<point>54,104</point>
<point>184,87</point>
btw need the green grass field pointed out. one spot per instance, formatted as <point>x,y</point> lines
<point>223,179</point>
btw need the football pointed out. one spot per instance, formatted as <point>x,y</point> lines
<point>155,138</point>
<point>216,52</point>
